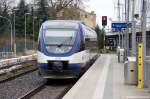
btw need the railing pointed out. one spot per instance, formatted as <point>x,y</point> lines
<point>4,55</point>
<point>13,61</point>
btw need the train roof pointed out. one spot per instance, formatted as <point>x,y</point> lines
<point>69,21</point>
<point>61,24</point>
<point>65,22</point>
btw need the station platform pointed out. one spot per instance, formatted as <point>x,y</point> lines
<point>105,80</point>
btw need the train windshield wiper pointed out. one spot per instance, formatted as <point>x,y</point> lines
<point>62,43</point>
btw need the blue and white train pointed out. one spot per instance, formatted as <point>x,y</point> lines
<point>64,48</point>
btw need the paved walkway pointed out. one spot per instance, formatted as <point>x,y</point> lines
<point>105,80</point>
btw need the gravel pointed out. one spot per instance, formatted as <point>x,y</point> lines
<point>54,89</point>
<point>19,86</point>
<point>49,92</point>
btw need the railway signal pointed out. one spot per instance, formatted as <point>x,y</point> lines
<point>104,20</point>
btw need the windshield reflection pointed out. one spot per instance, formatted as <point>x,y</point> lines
<point>59,40</point>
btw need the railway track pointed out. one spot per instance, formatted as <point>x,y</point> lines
<point>33,91</point>
<point>49,90</point>
<point>30,85</point>
<point>53,89</point>
<point>22,70</point>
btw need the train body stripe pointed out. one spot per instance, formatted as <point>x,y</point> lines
<point>74,66</point>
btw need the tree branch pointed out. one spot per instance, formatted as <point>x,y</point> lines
<point>64,5</point>
<point>52,3</point>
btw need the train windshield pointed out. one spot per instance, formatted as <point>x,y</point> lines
<point>59,40</point>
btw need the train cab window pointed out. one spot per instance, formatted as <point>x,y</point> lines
<point>90,43</point>
<point>59,41</point>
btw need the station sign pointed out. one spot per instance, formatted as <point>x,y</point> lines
<point>119,26</point>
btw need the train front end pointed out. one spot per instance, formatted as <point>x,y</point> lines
<point>58,48</point>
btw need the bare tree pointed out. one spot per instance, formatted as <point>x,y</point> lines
<point>57,5</point>
<point>6,4</point>
<point>61,4</point>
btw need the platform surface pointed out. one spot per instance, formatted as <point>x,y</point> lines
<point>105,80</point>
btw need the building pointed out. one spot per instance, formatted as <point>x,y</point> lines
<point>88,18</point>
<point>75,13</point>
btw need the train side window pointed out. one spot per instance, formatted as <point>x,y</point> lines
<point>82,46</point>
<point>90,43</point>
<point>87,39</point>
<point>87,43</point>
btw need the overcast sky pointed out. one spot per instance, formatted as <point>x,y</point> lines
<point>103,8</point>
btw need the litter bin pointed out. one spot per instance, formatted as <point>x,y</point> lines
<point>121,55</point>
<point>130,71</point>
<point>148,64</point>
<point>118,48</point>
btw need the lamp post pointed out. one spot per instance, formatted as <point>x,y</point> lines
<point>26,30</point>
<point>33,29</point>
<point>14,40</point>
<point>11,29</point>
<point>40,21</point>
<point>14,25</point>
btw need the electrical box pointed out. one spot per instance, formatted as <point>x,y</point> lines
<point>130,71</point>
<point>148,64</point>
<point>121,55</point>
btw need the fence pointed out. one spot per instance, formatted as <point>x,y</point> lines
<point>5,50</point>
<point>4,55</point>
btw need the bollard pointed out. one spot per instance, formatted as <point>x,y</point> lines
<point>140,66</point>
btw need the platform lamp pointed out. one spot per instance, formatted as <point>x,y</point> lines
<point>26,30</point>
<point>14,40</point>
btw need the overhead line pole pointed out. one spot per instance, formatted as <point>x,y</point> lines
<point>128,27</point>
<point>122,6</point>
<point>119,20</point>
<point>119,10</point>
<point>133,30</point>
<point>143,27</point>
<point>127,6</point>
<point>125,17</point>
